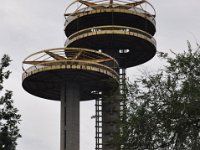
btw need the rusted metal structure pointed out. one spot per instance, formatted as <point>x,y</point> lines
<point>104,37</point>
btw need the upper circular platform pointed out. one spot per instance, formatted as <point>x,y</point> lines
<point>135,14</point>
<point>129,46</point>
<point>46,71</point>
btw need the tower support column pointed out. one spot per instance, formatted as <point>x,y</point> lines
<point>70,116</point>
<point>110,119</point>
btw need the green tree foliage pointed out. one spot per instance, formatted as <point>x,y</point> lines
<point>164,108</point>
<point>9,117</point>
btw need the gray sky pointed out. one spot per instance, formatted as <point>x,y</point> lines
<point>27,26</point>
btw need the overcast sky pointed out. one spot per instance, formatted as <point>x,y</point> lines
<point>27,26</point>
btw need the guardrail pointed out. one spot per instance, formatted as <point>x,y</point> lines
<point>75,65</point>
<point>70,58</point>
<point>106,7</point>
<point>109,29</point>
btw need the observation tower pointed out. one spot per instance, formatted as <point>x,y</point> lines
<point>104,38</point>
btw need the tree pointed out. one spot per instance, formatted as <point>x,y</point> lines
<point>163,109</point>
<point>9,117</point>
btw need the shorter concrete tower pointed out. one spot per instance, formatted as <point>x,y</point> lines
<point>70,75</point>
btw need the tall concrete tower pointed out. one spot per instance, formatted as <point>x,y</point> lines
<point>104,37</point>
<point>124,29</point>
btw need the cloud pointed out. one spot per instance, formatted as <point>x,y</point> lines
<point>28,26</point>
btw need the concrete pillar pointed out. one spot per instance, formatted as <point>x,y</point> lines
<point>70,116</point>
<point>110,118</point>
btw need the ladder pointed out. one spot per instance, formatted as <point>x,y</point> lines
<point>98,125</point>
<point>123,99</point>
<point>123,89</point>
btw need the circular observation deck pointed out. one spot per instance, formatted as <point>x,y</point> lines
<point>129,46</point>
<point>46,71</point>
<point>129,13</point>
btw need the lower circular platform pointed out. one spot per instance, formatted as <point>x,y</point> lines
<point>48,84</point>
<point>46,78</point>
